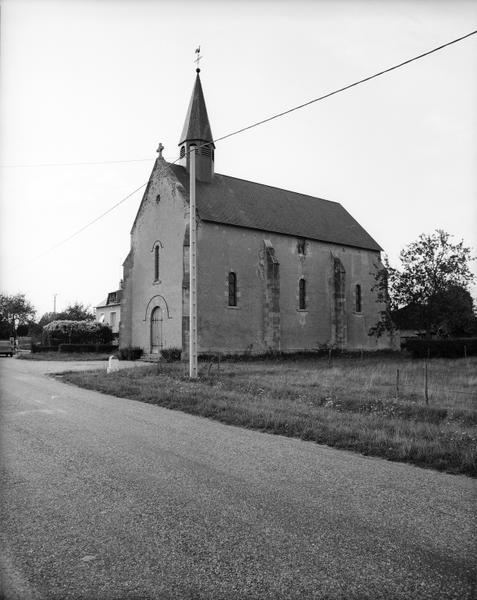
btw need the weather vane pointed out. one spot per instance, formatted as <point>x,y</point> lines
<point>197,60</point>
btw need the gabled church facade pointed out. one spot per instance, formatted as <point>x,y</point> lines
<point>276,270</point>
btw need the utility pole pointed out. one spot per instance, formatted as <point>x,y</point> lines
<point>192,270</point>
<point>54,303</point>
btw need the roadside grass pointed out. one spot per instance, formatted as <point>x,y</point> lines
<point>63,356</point>
<point>351,403</point>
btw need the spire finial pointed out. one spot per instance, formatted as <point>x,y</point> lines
<point>197,60</point>
<point>160,148</point>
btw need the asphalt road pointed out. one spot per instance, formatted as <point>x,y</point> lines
<point>108,498</point>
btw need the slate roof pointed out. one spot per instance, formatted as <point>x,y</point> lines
<point>108,301</point>
<point>242,203</point>
<point>196,125</point>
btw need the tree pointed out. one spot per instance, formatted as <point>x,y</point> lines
<point>74,312</point>
<point>453,311</point>
<point>433,282</point>
<point>14,311</point>
<point>77,312</point>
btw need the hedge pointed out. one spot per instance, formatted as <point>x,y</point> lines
<point>104,348</point>
<point>75,332</point>
<point>171,354</point>
<point>130,353</point>
<point>442,348</point>
<point>37,347</point>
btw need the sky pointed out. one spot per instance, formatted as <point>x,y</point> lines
<point>105,81</point>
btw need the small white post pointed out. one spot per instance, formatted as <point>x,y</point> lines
<point>192,271</point>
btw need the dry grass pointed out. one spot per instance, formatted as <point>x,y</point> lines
<point>350,403</point>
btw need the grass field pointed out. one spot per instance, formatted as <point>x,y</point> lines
<point>350,403</point>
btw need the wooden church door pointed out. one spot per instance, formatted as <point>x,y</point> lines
<point>156,330</point>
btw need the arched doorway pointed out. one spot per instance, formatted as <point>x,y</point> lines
<point>156,330</point>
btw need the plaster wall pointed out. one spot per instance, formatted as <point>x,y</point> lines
<point>106,311</point>
<point>222,249</point>
<point>160,222</point>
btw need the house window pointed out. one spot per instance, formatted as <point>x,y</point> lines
<point>232,289</point>
<point>112,320</point>
<point>302,294</point>
<point>357,298</point>
<point>301,246</point>
<point>156,263</point>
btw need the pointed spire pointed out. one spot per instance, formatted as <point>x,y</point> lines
<point>196,125</point>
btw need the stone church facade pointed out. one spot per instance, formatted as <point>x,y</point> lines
<point>277,270</point>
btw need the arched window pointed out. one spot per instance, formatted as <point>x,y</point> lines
<point>357,298</point>
<point>232,289</point>
<point>182,151</point>
<point>156,262</point>
<point>302,294</point>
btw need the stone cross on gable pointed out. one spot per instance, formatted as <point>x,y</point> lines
<point>160,148</point>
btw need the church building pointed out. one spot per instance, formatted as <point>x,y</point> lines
<point>276,270</point>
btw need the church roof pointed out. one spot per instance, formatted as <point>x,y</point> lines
<point>242,203</point>
<point>196,125</point>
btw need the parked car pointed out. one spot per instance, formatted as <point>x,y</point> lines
<point>7,348</point>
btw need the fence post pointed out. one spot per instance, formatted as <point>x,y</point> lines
<point>426,383</point>
<point>329,357</point>
<point>397,384</point>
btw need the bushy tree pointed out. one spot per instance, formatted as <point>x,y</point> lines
<point>78,312</point>
<point>433,281</point>
<point>74,312</point>
<point>15,310</point>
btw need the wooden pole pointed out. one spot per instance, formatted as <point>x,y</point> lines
<point>192,271</point>
<point>426,379</point>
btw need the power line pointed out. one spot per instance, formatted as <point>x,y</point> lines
<point>346,87</point>
<point>77,164</point>
<point>276,116</point>
<point>60,243</point>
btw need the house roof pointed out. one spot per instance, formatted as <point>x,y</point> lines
<point>108,301</point>
<point>196,125</point>
<point>242,203</point>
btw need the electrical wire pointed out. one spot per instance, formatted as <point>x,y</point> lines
<point>253,125</point>
<point>346,87</point>
<point>77,164</point>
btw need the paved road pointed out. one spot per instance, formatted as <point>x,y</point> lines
<point>108,498</point>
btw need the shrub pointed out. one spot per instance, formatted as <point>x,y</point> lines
<point>76,332</point>
<point>444,348</point>
<point>38,347</point>
<point>171,354</point>
<point>103,348</point>
<point>130,353</point>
